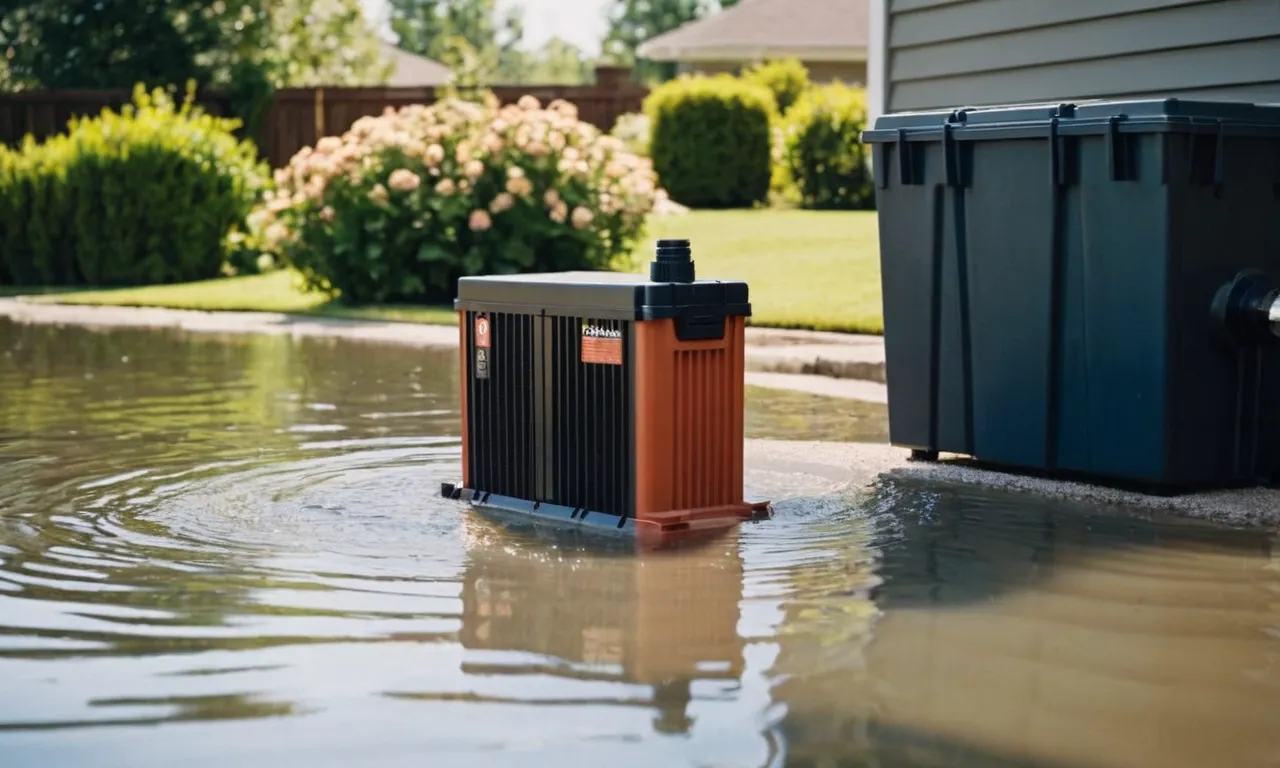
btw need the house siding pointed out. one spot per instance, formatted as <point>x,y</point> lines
<point>948,53</point>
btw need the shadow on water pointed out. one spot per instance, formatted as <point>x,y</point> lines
<point>950,546</point>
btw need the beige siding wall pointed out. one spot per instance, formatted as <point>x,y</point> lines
<point>947,53</point>
<point>821,71</point>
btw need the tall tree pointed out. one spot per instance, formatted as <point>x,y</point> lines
<point>326,42</point>
<point>632,22</point>
<point>439,29</point>
<point>557,62</point>
<point>117,43</point>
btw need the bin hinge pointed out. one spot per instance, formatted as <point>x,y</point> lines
<point>953,156</point>
<point>1207,151</point>
<point>908,162</point>
<point>1119,151</point>
<point>1059,150</point>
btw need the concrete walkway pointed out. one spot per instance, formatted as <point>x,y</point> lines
<point>831,364</point>
<point>826,466</point>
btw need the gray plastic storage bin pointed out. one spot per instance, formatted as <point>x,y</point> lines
<point>1085,288</point>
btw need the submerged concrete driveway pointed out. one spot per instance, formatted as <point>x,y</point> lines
<point>818,363</point>
<point>831,364</point>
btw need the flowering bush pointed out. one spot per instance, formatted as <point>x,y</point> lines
<point>402,205</point>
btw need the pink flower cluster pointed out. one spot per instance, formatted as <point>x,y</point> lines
<point>485,167</point>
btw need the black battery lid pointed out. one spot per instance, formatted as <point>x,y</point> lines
<point>671,290</point>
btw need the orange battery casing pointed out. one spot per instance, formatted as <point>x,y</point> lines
<point>605,399</point>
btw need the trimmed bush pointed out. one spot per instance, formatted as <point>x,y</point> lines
<point>823,152</point>
<point>786,79</point>
<point>147,195</point>
<point>402,205</point>
<point>710,140</point>
<point>9,210</point>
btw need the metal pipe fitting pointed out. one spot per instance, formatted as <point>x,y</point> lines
<point>1247,310</point>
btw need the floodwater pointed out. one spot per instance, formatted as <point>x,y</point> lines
<point>231,552</point>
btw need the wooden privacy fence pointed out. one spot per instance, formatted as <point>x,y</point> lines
<point>298,117</point>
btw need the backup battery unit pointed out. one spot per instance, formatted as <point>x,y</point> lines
<point>606,400</point>
<point>1085,289</point>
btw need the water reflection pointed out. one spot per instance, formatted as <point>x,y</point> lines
<point>1045,634</point>
<point>232,549</point>
<point>538,603</point>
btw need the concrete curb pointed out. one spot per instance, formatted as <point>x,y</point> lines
<point>854,357</point>
<point>836,355</point>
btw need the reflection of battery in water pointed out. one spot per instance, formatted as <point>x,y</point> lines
<point>661,619</point>
<point>602,645</point>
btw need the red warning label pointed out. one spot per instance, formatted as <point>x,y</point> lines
<point>601,346</point>
<point>482,331</point>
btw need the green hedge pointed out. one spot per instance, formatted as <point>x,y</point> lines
<point>147,195</point>
<point>823,153</point>
<point>710,140</point>
<point>786,79</point>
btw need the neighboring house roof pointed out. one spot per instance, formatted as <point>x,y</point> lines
<point>409,70</point>
<point>816,30</point>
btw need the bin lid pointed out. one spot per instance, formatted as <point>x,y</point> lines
<point>601,296</point>
<point>1082,118</point>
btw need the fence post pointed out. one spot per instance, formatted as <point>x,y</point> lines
<point>612,78</point>
<point>319,107</point>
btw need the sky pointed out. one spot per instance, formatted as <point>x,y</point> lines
<point>581,22</point>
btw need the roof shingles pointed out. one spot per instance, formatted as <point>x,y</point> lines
<point>412,71</point>
<point>754,27</point>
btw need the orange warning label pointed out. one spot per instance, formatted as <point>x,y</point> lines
<point>602,351</point>
<point>601,346</point>
<point>482,331</point>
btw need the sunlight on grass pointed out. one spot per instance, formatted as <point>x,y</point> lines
<point>806,269</point>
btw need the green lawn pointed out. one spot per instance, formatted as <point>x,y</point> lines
<point>806,269</point>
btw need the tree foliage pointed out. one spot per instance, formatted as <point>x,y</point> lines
<point>472,30</point>
<point>119,43</point>
<point>325,42</point>
<point>633,22</point>
<point>557,62</point>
